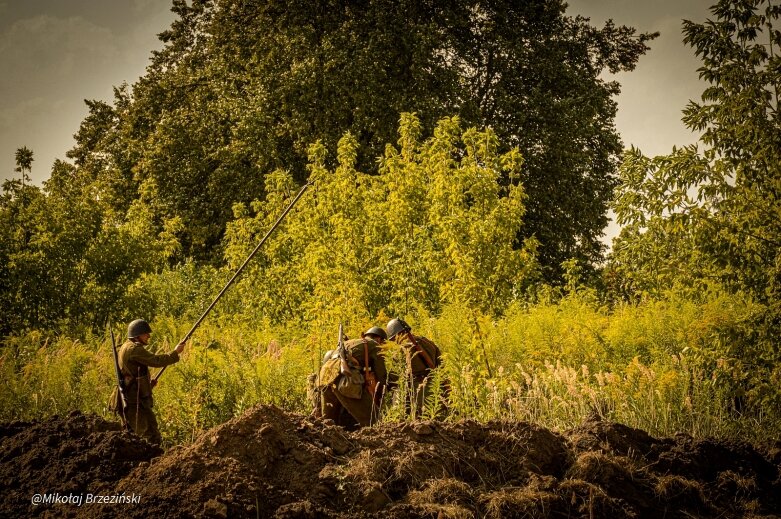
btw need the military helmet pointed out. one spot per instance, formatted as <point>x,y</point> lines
<point>137,328</point>
<point>376,330</point>
<point>396,326</point>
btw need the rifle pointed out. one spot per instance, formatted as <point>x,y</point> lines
<point>120,380</point>
<point>342,351</point>
<point>350,383</point>
<point>236,274</point>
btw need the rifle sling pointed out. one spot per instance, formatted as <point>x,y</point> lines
<point>422,352</point>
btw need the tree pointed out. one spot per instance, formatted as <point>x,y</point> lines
<point>433,228</point>
<point>244,87</point>
<point>709,214</point>
<point>715,209</point>
<point>65,261</point>
<point>24,162</point>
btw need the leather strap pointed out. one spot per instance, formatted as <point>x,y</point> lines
<point>426,358</point>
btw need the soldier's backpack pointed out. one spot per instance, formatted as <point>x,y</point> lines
<point>350,384</point>
<point>329,371</point>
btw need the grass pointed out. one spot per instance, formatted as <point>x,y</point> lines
<point>652,366</point>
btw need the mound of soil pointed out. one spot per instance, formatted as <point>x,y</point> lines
<point>269,463</point>
<point>70,456</point>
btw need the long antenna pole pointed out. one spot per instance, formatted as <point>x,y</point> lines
<point>236,274</point>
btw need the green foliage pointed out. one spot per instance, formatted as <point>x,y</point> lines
<point>54,377</point>
<point>242,88</point>
<point>434,227</point>
<point>696,215</point>
<point>707,215</point>
<point>183,291</point>
<point>67,262</point>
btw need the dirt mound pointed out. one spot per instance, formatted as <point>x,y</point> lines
<point>66,456</point>
<point>679,476</point>
<point>268,463</point>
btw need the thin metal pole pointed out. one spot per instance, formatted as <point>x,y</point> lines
<point>236,274</point>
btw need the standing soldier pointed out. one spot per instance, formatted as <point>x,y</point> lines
<point>422,357</point>
<point>134,363</point>
<point>365,355</point>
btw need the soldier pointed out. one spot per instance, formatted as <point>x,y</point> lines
<point>134,363</point>
<point>422,356</point>
<point>365,355</point>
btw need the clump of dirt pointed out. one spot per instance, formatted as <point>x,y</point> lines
<point>269,463</point>
<point>68,455</point>
<point>598,435</point>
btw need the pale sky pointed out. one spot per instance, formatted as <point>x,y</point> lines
<point>56,53</point>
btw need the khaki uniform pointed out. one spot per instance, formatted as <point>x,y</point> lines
<point>347,411</point>
<point>420,361</point>
<point>134,362</point>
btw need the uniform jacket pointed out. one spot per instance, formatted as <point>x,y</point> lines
<point>376,360</point>
<point>416,360</point>
<point>134,362</point>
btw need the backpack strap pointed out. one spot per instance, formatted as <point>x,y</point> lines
<point>366,356</point>
<point>370,379</point>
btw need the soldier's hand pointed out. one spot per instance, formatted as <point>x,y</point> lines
<point>180,347</point>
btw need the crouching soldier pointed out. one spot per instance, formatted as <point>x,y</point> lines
<point>356,396</point>
<point>134,363</point>
<point>422,356</point>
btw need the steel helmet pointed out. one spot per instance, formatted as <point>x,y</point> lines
<point>396,326</point>
<point>376,330</point>
<point>138,327</point>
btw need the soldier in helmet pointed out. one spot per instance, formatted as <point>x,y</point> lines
<point>365,355</point>
<point>134,363</point>
<point>422,357</point>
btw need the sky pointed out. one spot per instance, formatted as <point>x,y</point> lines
<point>54,54</point>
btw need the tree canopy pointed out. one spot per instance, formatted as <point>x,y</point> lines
<point>228,110</point>
<point>433,227</point>
<point>710,212</point>
<point>242,88</point>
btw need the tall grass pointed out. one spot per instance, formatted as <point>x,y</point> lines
<point>653,365</point>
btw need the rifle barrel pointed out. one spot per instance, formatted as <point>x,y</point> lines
<point>344,365</point>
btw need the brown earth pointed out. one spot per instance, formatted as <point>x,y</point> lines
<point>269,463</point>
